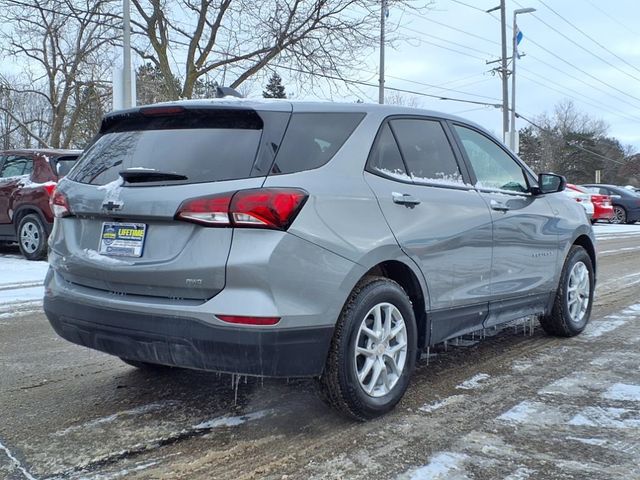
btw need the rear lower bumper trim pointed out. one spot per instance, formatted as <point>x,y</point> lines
<point>191,343</point>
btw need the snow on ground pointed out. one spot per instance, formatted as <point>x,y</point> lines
<point>21,289</point>
<point>608,231</point>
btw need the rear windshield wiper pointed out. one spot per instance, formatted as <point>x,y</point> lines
<point>139,175</point>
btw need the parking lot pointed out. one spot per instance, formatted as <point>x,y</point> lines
<point>517,404</point>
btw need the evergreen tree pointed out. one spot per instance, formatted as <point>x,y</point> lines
<point>274,88</point>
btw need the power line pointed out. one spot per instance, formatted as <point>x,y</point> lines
<point>470,6</point>
<point>459,30</point>
<point>608,85</point>
<point>401,90</point>
<point>606,14</point>
<point>582,70</point>
<point>589,37</point>
<point>445,40</point>
<point>583,48</point>
<point>589,101</point>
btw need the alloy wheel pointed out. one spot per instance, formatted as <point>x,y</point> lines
<point>380,349</point>
<point>578,292</point>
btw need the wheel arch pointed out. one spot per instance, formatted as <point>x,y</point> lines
<point>25,210</point>
<point>585,242</point>
<point>408,279</point>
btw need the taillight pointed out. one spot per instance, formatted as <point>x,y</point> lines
<point>241,320</point>
<point>49,188</point>
<point>59,204</point>
<point>273,208</point>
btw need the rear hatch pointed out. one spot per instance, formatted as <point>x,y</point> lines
<point>122,235</point>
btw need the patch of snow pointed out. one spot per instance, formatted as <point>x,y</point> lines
<point>623,391</point>
<point>16,463</point>
<point>94,256</point>
<point>112,190</point>
<point>574,384</point>
<point>398,174</point>
<point>432,407</point>
<point>606,417</point>
<point>443,466</point>
<point>605,231</point>
<point>598,329</point>
<point>231,421</point>
<point>443,179</point>
<point>589,441</point>
<point>28,183</point>
<point>473,382</point>
<point>141,410</point>
<point>20,295</point>
<point>530,412</point>
<point>122,473</point>
<point>141,169</point>
<point>521,473</point>
<point>617,250</point>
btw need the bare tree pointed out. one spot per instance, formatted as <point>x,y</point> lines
<point>397,98</point>
<point>64,48</point>
<point>233,40</point>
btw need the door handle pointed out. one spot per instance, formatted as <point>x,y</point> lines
<point>405,199</point>
<point>499,206</point>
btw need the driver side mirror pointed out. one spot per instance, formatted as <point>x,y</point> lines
<point>550,183</point>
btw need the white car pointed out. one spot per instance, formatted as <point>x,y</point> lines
<point>581,197</point>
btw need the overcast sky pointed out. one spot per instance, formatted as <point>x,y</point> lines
<point>605,87</point>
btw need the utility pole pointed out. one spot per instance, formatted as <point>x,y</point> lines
<point>505,74</point>
<point>126,54</point>
<point>383,16</point>
<point>502,70</point>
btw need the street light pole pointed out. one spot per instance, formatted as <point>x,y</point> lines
<point>383,14</point>
<point>514,56</point>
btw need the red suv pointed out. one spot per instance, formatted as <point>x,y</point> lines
<point>27,180</point>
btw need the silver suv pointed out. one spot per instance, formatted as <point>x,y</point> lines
<point>307,239</point>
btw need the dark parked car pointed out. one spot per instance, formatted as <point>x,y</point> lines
<point>288,239</point>
<point>626,202</point>
<point>27,180</point>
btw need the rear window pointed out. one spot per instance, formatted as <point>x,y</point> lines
<point>312,139</point>
<point>203,146</point>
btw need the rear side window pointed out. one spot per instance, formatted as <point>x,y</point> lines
<point>204,146</point>
<point>312,139</point>
<point>16,166</point>
<point>426,151</point>
<point>385,157</point>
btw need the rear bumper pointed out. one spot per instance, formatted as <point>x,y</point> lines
<point>189,342</point>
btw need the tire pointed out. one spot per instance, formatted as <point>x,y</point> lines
<point>339,385</point>
<point>32,237</point>
<point>619,215</point>
<point>146,365</point>
<point>568,318</point>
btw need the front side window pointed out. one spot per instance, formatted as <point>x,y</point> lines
<point>16,166</point>
<point>493,167</point>
<point>426,151</point>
